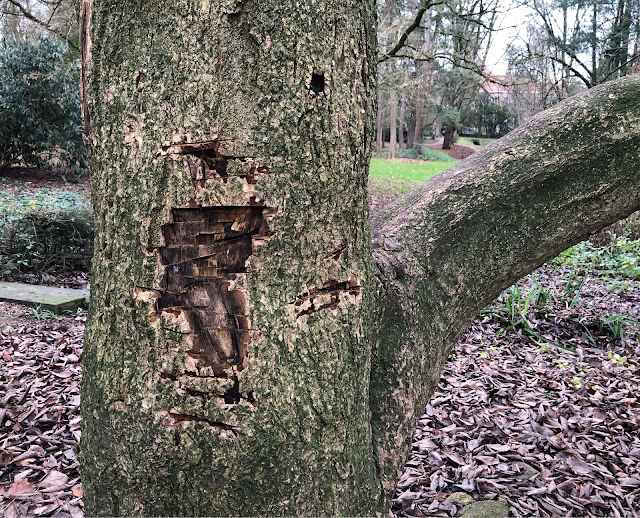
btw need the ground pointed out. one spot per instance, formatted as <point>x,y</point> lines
<point>536,413</point>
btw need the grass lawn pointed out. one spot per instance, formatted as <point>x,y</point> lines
<point>390,179</point>
<point>416,172</point>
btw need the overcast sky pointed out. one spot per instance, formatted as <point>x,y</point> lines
<point>510,24</point>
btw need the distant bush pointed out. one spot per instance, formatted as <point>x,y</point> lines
<point>40,106</point>
<point>411,152</point>
<point>435,155</point>
<point>47,231</point>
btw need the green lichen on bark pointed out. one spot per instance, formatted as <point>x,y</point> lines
<point>158,439</point>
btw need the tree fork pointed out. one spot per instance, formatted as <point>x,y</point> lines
<point>451,246</point>
<point>243,354</point>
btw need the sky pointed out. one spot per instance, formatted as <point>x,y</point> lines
<point>510,24</point>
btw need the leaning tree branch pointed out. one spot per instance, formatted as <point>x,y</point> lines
<point>447,249</point>
<point>417,20</point>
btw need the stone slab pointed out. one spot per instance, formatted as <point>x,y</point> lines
<point>486,509</point>
<point>54,299</point>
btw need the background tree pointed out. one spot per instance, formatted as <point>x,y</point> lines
<point>23,18</point>
<point>40,105</point>
<point>245,353</point>
<point>591,41</point>
<point>424,46</point>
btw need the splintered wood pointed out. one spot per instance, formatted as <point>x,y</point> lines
<point>205,251</point>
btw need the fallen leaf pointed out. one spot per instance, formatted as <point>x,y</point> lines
<point>54,481</point>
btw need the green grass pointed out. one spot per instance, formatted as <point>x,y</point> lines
<point>416,172</point>
<point>467,141</point>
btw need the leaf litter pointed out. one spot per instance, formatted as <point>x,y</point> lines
<point>548,431</point>
<point>39,414</point>
<point>516,418</point>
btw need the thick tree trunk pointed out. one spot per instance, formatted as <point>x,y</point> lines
<point>451,246</point>
<point>227,352</point>
<point>243,354</point>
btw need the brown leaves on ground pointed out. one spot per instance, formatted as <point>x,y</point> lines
<point>548,431</point>
<point>514,418</point>
<point>39,419</point>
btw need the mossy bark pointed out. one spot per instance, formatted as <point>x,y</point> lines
<point>227,352</point>
<point>238,342</point>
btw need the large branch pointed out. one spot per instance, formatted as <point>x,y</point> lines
<point>450,247</point>
<point>415,23</point>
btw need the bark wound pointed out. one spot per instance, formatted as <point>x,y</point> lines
<point>327,296</point>
<point>186,418</point>
<point>206,251</point>
<point>317,84</point>
<point>206,161</point>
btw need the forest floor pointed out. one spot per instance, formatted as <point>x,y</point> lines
<point>537,409</point>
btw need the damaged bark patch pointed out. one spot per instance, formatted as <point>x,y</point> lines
<point>206,251</point>
<point>186,418</point>
<point>327,296</point>
<point>206,161</point>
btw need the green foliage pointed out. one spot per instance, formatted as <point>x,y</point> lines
<point>513,307</point>
<point>621,257</point>
<point>412,152</point>
<point>489,118</point>
<point>39,102</point>
<point>451,117</point>
<point>40,313</point>
<point>47,230</point>
<point>615,325</point>
<point>435,155</point>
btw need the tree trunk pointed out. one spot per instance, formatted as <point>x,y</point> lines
<point>417,132</point>
<point>393,123</point>
<point>244,355</point>
<point>403,110</point>
<point>228,347</point>
<point>411,124</point>
<point>449,132</point>
<point>380,124</point>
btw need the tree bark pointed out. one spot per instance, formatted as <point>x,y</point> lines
<point>449,132</point>
<point>411,124</point>
<point>451,246</point>
<point>379,124</point>
<point>401,121</point>
<point>244,355</point>
<point>417,132</point>
<point>393,123</point>
<point>227,351</point>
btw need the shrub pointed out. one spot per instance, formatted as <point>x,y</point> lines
<point>435,155</point>
<point>44,231</point>
<point>40,106</point>
<point>621,256</point>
